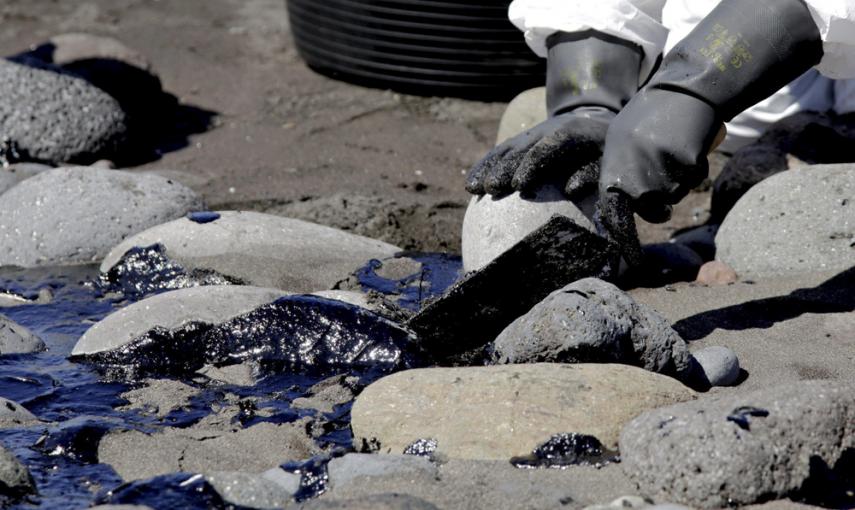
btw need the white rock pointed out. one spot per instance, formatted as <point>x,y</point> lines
<point>492,226</point>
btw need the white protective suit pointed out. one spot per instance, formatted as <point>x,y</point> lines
<point>657,25</point>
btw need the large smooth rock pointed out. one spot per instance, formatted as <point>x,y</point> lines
<point>493,225</point>
<point>76,214</point>
<point>54,116</point>
<point>741,448</point>
<point>16,339</point>
<point>15,479</point>
<point>172,310</point>
<point>261,249</point>
<point>504,411</point>
<point>799,221</point>
<point>592,321</point>
<point>13,174</point>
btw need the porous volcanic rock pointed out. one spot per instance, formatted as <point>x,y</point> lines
<point>499,412</point>
<point>54,116</point>
<point>260,249</point>
<point>592,321</point>
<point>74,215</point>
<point>744,448</point>
<point>799,221</point>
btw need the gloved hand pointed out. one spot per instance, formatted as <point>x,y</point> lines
<point>590,77</point>
<point>742,52</point>
<point>565,149</point>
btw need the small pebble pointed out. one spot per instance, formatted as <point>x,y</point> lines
<point>716,273</point>
<point>720,365</point>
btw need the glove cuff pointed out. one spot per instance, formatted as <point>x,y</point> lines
<point>741,53</point>
<point>590,69</point>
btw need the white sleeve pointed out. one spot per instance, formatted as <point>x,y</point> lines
<point>636,21</point>
<point>836,22</point>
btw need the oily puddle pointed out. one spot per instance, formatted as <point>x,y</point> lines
<point>80,403</point>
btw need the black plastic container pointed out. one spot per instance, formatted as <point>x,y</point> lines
<point>428,47</point>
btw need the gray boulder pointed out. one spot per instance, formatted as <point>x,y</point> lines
<point>251,490</point>
<point>493,225</point>
<point>13,414</point>
<point>54,116</point>
<point>13,174</point>
<point>799,221</point>
<point>351,468</point>
<point>74,215</point>
<point>742,448</point>
<point>15,479</point>
<point>592,321</point>
<point>16,339</point>
<point>260,249</point>
<point>172,310</point>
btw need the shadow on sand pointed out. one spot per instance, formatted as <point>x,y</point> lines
<point>158,122</point>
<point>835,295</point>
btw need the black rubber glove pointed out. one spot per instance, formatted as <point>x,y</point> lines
<point>590,77</point>
<point>742,52</point>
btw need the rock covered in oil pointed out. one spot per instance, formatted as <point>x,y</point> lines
<point>296,332</point>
